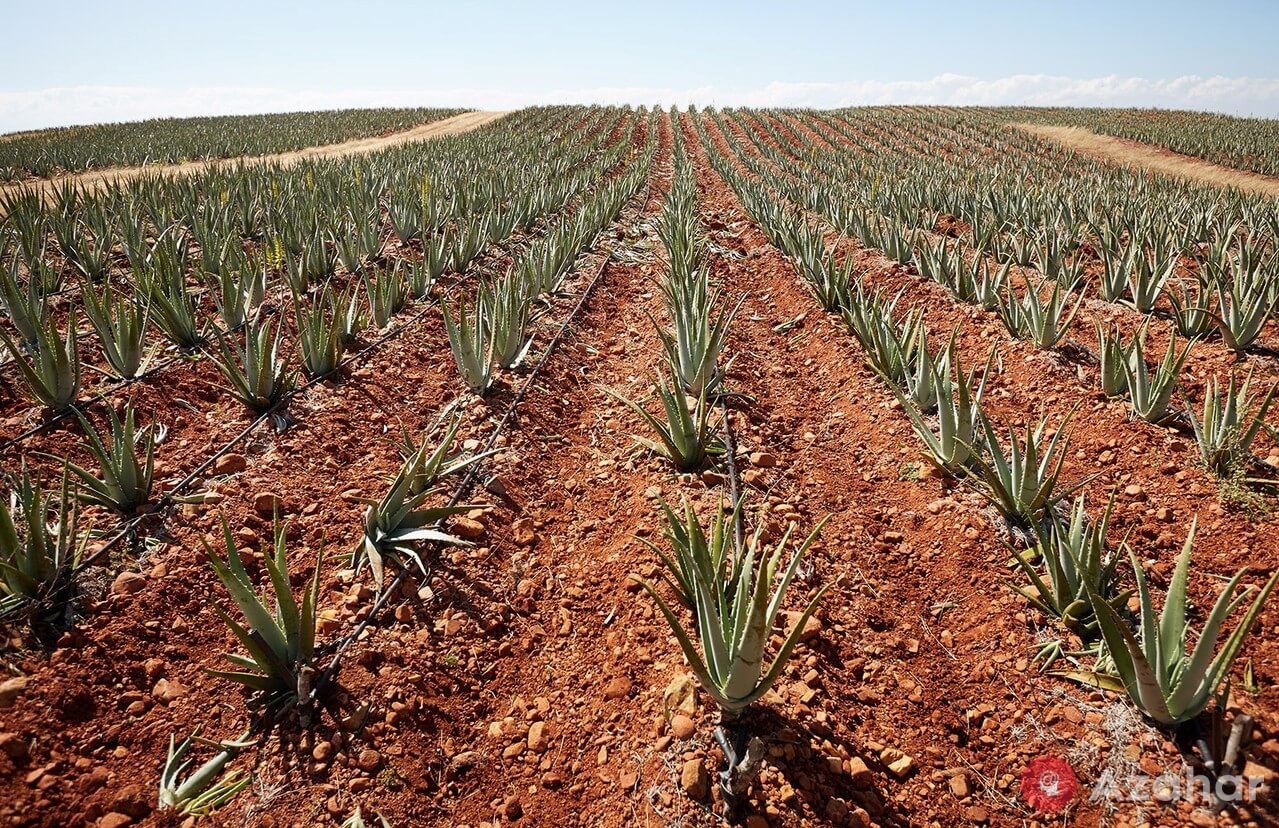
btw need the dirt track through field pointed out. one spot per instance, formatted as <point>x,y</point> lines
<point>455,125</point>
<point>1156,159</point>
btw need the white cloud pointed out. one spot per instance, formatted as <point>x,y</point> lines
<point>94,104</point>
<point>1235,95</point>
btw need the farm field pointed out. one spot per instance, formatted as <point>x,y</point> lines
<point>1242,143</point>
<point>451,125</point>
<point>45,153</point>
<point>472,414</point>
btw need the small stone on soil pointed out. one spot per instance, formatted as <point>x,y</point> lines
<point>618,688</point>
<point>682,727</point>
<point>694,780</point>
<point>127,583</point>
<point>537,739</point>
<point>230,464</point>
<point>10,689</point>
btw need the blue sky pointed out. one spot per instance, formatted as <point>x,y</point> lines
<point>94,61</point>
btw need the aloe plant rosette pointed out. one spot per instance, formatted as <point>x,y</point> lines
<point>735,603</point>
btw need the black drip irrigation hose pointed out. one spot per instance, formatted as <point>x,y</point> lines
<point>468,480</point>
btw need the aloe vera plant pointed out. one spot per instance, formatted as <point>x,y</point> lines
<point>1023,484</point>
<point>736,601</point>
<point>1192,309</point>
<point>1116,264</point>
<point>679,229</point>
<point>692,543</point>
<point>397,522</point>
<point>238,294</point>
<point>39,542</point>
<point>1113,358</point>
<point>1075,561</point>
<point>121,324</point>
<point>53,373</point>
<point>172,304</point>
<point>1230,422</point>
<point>278,633</point>
<point>472,346</point>
<point>208,787</point>
<point>687,435</point>
<point>1152,393</point>
<point>922,380</point>
<point>419,279</point>
<point>830,282</point>
<point>259,375</point>
<point>507,307</point>
<point>1043,321</point>
<point>1148,275</point>
<point>890,345</point>
<point>126,478</point>
<point>23,302</point>
<point>348,314</point>
<point>1169,684</point>
<point>386,293</point>
<point>950,445</point>
<point>1244,305</point>
<point>694,346</point>
<point>977,283</point>
<point>319,334</point>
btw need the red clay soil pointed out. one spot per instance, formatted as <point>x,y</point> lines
<point>524,681</point>
<point>1160,489</point>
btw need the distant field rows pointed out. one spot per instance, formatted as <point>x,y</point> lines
<point>453,125</point>
<point>49,152</point>
<point>1248,144</point>
<point>1157,159</point>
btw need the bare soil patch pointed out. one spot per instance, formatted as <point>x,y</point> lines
<point>1157,159</point>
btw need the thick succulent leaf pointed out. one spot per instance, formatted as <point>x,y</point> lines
<point>1134,670</point>
<point>1172,622</point>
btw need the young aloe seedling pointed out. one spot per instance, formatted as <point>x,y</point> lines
<point>206,789</point>
<point>280,640</point>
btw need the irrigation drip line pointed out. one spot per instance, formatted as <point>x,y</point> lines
<point>127,529</point>
<point>129,381</point>
<point>468,479</point>
<point>173,493</point>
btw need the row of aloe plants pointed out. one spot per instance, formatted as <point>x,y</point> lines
<point>397,526</point>
<point>1071,565</point>
<point>41,552</point>
<point>1042,314</point>
<point>170,288</point>
<point>1209,272</point>
<point>733,585</point>
<point>46,152</point>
